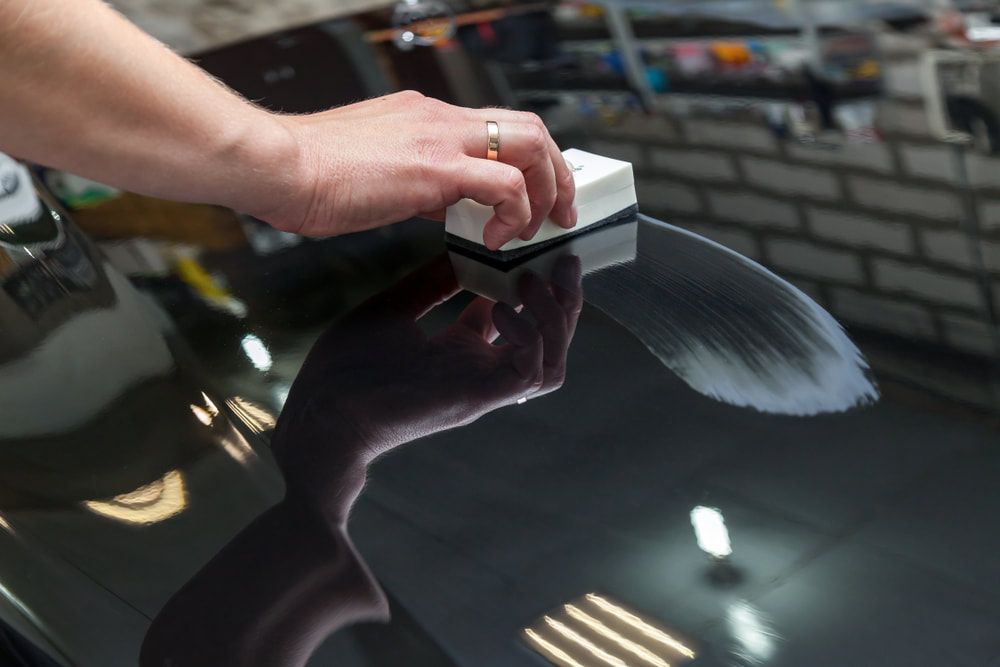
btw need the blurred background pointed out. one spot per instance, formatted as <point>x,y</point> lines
<point>849,145</point>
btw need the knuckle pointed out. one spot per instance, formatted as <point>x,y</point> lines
<point>513,183</point>
<point>410,96</point>
<point>531,118</point>
<point>537,138</point>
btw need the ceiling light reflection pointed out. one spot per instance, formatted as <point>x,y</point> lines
<point>201,414</point>
<point>639,624</point>
<point>579,639</point>
<point>711,532</point>
<point>550,650</point>
<point>754,639</point>
<point>256,418</point>
<point>257,352</point>
<point>210,405</point>
<point>635,649</point>
<point>150,503</point>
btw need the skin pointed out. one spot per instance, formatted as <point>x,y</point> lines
<point>84,90</point>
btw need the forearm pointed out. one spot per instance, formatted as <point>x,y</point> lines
<point>84,90</point>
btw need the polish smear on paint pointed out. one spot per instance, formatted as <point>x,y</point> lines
<point>731,329</point>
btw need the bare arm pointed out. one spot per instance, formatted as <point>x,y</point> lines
<point>84,90</point>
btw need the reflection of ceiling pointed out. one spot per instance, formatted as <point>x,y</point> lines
<point>82,365</point>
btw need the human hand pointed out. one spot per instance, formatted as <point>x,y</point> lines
<point>375,380</point>
<point>403,155</point>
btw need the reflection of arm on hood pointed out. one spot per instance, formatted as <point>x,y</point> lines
<point>372,382</point>
<point>270,597</point>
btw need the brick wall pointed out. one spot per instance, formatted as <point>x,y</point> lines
<point>873,231</point>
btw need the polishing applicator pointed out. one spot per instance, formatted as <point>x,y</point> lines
<point>610,245</point>
<point>605,194</point>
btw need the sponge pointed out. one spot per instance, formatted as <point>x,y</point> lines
<point>611,245</point>
<point>605,193</point>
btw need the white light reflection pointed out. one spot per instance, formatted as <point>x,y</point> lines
<point>711,532</point>
<point>640,651</point>
<point>642,626</point>
<point>580,640</point>
<point>550,650</point>
<point>754,640</point>
<point>257,352</point>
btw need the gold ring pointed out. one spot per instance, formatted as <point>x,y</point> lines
<point>493,140</point>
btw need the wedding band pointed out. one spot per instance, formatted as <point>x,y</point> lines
<point>493,140</point>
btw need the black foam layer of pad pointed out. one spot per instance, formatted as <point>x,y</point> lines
<point>507,257</point>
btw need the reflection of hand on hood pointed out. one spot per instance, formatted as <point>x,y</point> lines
<point>372,382</point>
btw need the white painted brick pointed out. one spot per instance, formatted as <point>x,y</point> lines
<point>969,334</point>
<point>893,196</point>
<point>646,127</point>
<point>695,163</point>
<point>984,170</point>
<point>926,283</point>
<point>734,239</point>
<point>928,161</point>
<point>989,214</point>
<point>752,208</point>
<point>789,178</point>
<point>900,118</point>
<point>902,78</point>
<point>730,135</point>
<point>950,247</point>
<point>814,260</point>
<point>873,156</point>
<point>859,230</point>
<point>882,313</point>
<point>663,195</point>
<point>619,150</point>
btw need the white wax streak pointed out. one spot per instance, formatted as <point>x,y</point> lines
<point>731,329</point>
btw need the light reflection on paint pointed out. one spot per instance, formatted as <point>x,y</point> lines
<point>201,414</point>
<point>210,405</point>
<point>150,503</point>
<point>639,624</point>
<point>256,418</point>
<point>711,532</point>
<point>754,640</point>
<point>642,652</point>
<point>731,329</point>
<point>550,650</point>
<point>257,352</point>
<point>236,446</point>
<point>579,639</point>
